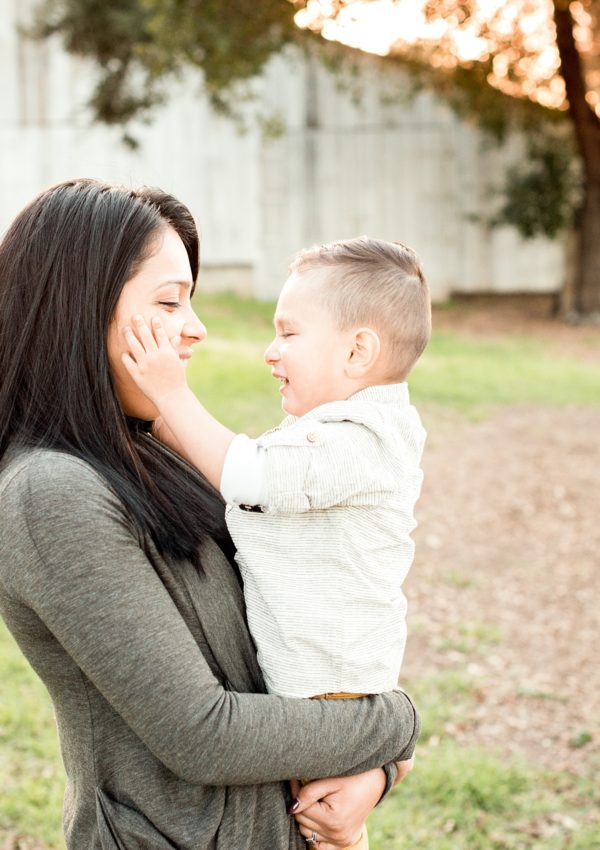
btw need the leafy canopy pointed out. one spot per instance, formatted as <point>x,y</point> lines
<point>139,44</point>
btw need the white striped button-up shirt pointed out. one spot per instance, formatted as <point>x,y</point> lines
<point>324,561</point>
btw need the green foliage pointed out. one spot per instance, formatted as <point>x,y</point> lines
<point>139,46</point>
<point>114,35</point>
<point>542,193</point>
<point>466,90</point>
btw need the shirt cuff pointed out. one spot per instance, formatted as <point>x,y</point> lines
<point>409,750</point>
<point>391,772</point>
<point>243,476</point>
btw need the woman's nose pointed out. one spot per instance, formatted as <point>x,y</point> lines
<point>194,330</point>
<point>271,354</point>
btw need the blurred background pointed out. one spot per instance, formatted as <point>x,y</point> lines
<point>469,130</point>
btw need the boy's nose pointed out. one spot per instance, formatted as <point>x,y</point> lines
<point>271,354</point>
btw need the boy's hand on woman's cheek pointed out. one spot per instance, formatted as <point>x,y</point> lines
<point>152,361</point>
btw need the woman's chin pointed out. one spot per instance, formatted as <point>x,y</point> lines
<point>140,407</point>
<point>133,401</point>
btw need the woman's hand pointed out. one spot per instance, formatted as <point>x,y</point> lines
<point>336,808</point>
<point>404,768</point>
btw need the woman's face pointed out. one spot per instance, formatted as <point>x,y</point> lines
<point>162,286</point>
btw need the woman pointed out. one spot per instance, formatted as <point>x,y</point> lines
<point>116,571</point>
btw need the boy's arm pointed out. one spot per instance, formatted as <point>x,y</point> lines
<point>203,441</point>
<point>163,433</point>
<point>159,372</point>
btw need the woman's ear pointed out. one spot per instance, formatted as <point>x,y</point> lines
<point>364,353</point>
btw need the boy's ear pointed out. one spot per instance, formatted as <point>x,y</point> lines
<point>364,353</point>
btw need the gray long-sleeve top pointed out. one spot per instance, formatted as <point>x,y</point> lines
<point>167,736</point>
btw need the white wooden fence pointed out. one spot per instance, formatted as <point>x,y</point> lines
<point>398,170</point>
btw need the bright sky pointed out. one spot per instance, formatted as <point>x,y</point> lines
<point>374,26</point>
<point>379,25</point>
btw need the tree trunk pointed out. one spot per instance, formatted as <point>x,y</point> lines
<point>587,280</point>
<point>587,132</point>
<point>565,303</point>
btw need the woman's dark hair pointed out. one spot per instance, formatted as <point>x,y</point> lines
<point>63,264</point>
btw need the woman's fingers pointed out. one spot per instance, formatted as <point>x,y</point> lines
<point>307,832</point>
<point>311,824</point>
<point>404,768</point>
<point>321,844</point>
<point>308,825</point>
<point>314,791</point>
<point>330,829</point>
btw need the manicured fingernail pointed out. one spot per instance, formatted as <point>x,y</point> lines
<point>293,807</point>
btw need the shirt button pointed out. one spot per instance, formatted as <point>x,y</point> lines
<point>312,437</point>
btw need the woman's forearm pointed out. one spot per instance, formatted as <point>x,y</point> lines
<point>95,590</point>
<point>252,738</point>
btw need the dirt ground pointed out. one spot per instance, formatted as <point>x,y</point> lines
<point>505,587</point>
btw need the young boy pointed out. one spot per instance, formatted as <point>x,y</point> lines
<point>321,507</point>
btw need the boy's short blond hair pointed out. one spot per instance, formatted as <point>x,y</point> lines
<point>376,284</point>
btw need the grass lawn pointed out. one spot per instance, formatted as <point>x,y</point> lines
<point>456,798</point>
<point>467,375</point>
<point>471,799</point>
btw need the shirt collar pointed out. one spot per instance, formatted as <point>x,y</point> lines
<point>383,393</point>
<point>380,393</point>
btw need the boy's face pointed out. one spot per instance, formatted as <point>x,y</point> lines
<point>309,353</point>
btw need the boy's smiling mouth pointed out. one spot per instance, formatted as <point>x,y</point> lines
<point>283,381</point>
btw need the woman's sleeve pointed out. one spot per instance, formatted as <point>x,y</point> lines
<point>90,583</point>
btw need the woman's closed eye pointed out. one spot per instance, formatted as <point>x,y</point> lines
<point>171,304</point>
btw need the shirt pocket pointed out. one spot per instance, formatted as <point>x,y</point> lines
<point>121,827</point>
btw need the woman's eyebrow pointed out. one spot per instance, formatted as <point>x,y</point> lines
<point>185,283</point>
